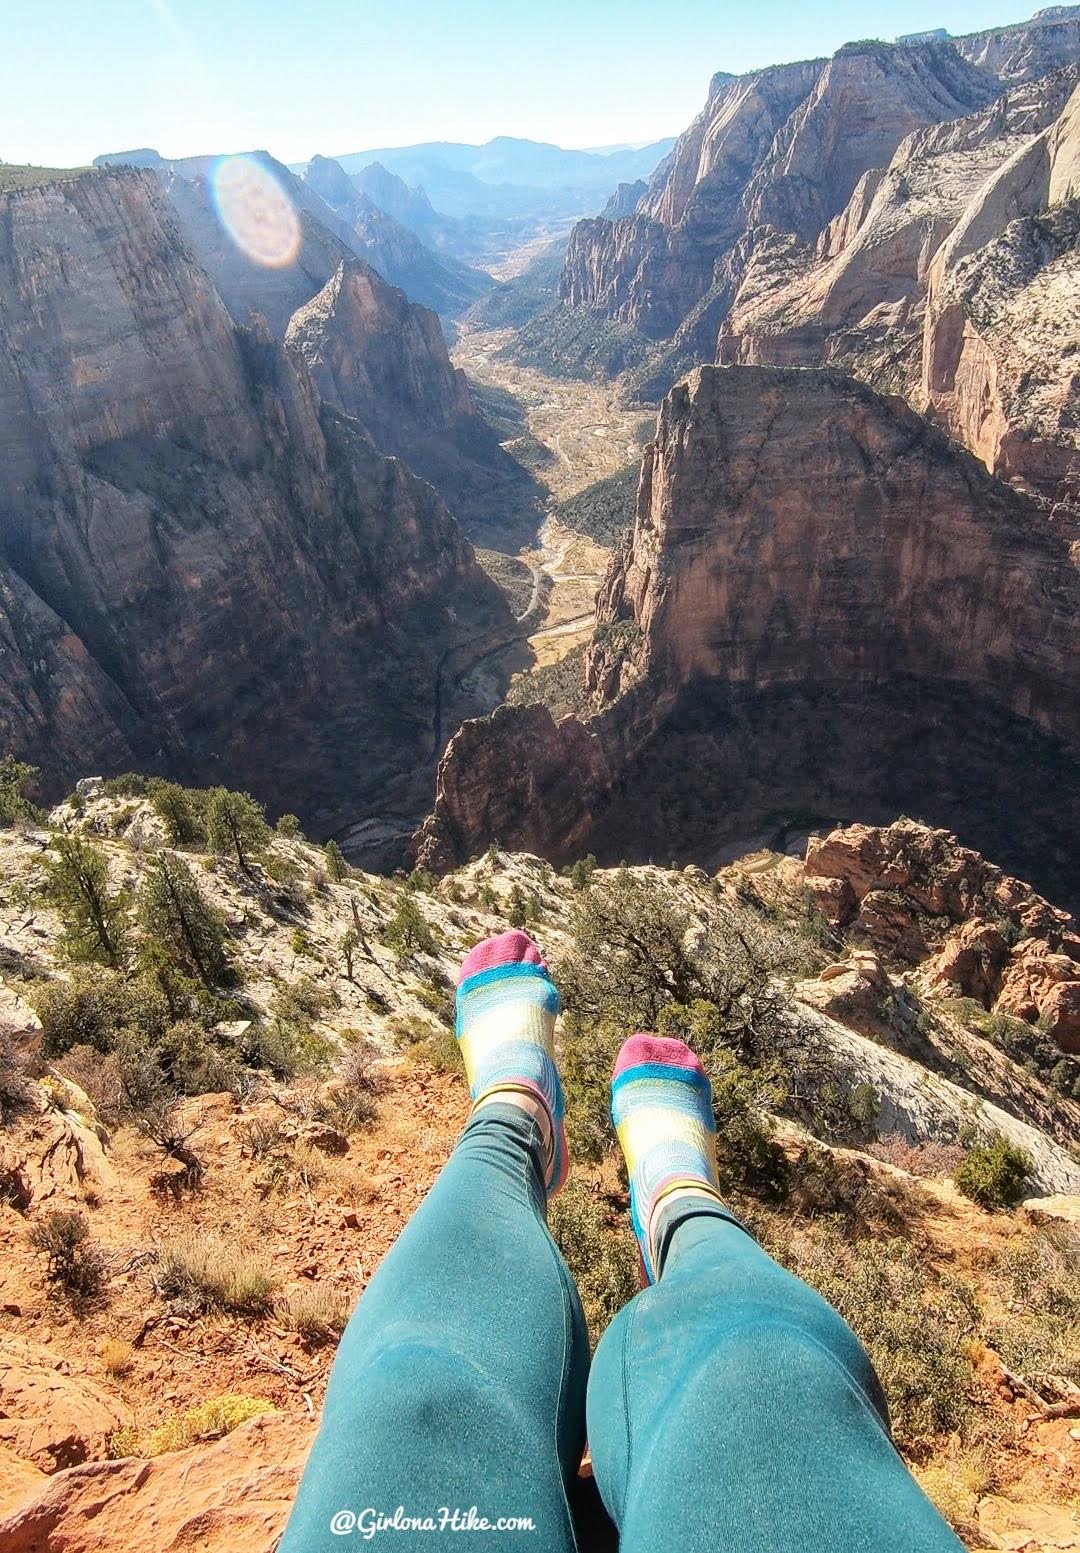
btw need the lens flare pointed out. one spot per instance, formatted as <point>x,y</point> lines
<point>256,211</point>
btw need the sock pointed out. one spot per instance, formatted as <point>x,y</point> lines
<point>661,1105</point>
<point>506,1008</point>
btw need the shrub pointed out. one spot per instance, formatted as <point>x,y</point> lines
<point>599,1251</point>
<point>88,1010</point>
<point>116,1356</point>
<point>914,1326</point>
<point>15,1089</point>
<point>1038,1331</point>
<point>288,825</point>
<point>319,1314</point>
<point>409,931</point>
<point>206,1274</point>
<point>207,1420</point>
<point>995,1174</point>
<point>927,1158</point>
<point>94,916</point>
<point>360,1067</point>
<point>72,1262</point>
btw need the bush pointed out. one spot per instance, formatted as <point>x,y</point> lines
<point>78,1267</point>
<point>995,1174</point>
<point>180,812</point>
<point>599,1251</point>
<point>336,866</point>
<point>408,931</point>
<point>914,1326</point>
<point>208,1420</point>
<point>206,1274</point>
<point>1038,1331</point>
<point>15,777</point>
<point>319,1314</point>
<point>15,1089</point>
<point>288,825</point>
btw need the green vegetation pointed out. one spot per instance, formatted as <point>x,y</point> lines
<point>15,176</point>
<point>409,931</point>
<point>914,1324</point>
<point>15,778</point>
<point>182,811</point>
<point>600,1252</point>
<point>181,922</point>
<point>235,824</point>
<point>995,1174</point>
<point>336,866</point>
<point>94,916</point>
<point>1039,1334</point>
<point>559,686</point>
<point>604,510</point>
<point>576,342</point>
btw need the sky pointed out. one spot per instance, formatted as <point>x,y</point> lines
<point>296,77</point>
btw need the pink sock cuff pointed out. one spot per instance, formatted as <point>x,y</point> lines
<point>663,1050</point>
<point>514,947</point>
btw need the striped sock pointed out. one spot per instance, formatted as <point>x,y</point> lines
<point>506,1008</point>
<point>661,1105</point>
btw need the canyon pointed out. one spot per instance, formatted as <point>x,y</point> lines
<point>205,568</point>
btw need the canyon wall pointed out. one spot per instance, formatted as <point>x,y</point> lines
<point>202,570</point>
<point>826,609</point>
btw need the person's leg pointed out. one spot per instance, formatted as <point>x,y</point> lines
<point>729,1406</point>
<point>460,1379</point>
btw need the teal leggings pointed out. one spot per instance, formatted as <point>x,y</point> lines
<point>729,1407</point>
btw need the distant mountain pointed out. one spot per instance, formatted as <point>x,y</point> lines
<point>506,159</point>
<point>331,230</point>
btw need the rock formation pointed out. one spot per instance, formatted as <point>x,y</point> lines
<point>1002,324</point>
<point>438,281</point>
<point>825,609</point>
<point>378,357</point>
<point>200,570</point>
<point>783,147</point>
<point>1030,49</point>
<point>916,895</point>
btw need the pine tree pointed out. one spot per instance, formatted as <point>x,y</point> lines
<point>15,777</point>
<point>517,911</point>
<point>235,824</point>
<point>409,929</point>
<point>181,921</point>
<point>94,917</point>
<point>336,866</point>
<point>173,803</point>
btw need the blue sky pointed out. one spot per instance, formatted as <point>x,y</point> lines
<point>302,76</point>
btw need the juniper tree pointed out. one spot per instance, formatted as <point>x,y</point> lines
<point>235,824</point>
<point>94,916</point>
<point>174,805</point>
<point>181,921</point>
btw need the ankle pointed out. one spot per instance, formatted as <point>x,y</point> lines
<point>532,1105</point>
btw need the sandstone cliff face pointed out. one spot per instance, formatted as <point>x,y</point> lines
<point>1002,324</point>
<point>378,357</point>
<point>825,608</point>
<point>857,297</point>
<point>1022,53</point>
<point>199,569</point>
<point>781,148</point>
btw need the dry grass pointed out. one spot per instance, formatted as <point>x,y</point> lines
<point>318,1314</point>
<point>205,1274</point>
